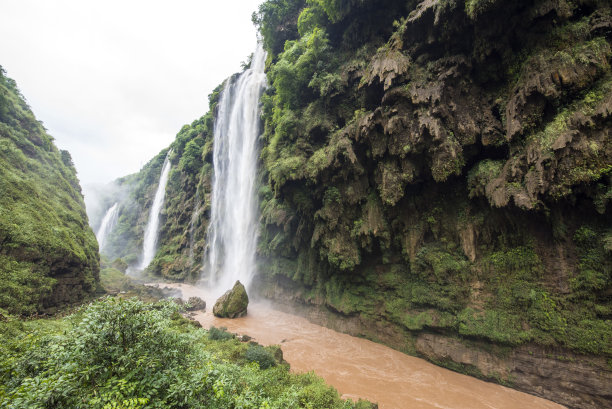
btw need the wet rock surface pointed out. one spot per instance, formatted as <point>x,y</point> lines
<point>574,380</point>
<point>232,304</point>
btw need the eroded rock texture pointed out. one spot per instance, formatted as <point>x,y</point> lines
<point>444,172</point>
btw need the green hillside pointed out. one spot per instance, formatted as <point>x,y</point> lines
<point>48,253</point>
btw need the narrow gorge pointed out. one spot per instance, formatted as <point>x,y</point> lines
<point>432,175</point>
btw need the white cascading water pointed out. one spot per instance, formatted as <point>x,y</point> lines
<point>232,233</point>
<point>149,244</point>
<point>108,222</point>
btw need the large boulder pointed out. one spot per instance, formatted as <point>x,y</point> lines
<point>233,303</point>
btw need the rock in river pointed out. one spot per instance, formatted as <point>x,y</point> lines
<point>195,304</point>
<point>233,303</point>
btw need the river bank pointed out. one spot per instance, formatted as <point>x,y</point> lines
<point>359,368</point>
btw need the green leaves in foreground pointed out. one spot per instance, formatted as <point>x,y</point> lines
<point>129,354</point>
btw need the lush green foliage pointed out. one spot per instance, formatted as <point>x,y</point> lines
<point>216,334</point>
<point>128,354</point>
<point>263,357</point>
<point>276,21</point>
<point>45,239</point>
<point>474,8</point>
<point>374,198</point>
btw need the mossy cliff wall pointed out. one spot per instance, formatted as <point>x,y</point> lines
<point>439,173</point>
<point>48,253</point>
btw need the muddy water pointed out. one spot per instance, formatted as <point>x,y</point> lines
<point>359,368</point>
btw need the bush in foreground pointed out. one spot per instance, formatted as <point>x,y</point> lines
<point>130,354</point>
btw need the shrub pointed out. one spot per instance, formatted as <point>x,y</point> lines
<point>259,354</point>
<point>217,334</point>
<point>129,354</point>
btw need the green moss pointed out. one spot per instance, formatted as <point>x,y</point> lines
<point>287,168</point>
<point>483,173</point>
<point>319,161</point>
<point>520,262</point>
<point>437,264</point>
<point>392,182</point>
<point>22,288</point>
<point>447,297</point>
<point>114,280</point>
<point>348,300</point>
<point>495,325</point>
<point>592,336</point>
<point>474,8</point>
<point>595,264</point>
<point>233,303</point>
<point>428,319</point>
<point>448,163</point>
<point>44,233</point>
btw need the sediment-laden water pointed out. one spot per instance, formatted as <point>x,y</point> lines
<point>359,368</point>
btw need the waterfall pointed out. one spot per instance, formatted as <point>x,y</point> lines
<point>232,233</point>
<point>108,222</point>
<point>149,245</point>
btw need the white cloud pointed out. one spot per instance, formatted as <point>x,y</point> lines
<point>114,80</point>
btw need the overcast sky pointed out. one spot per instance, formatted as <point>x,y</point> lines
<point>113,81</point>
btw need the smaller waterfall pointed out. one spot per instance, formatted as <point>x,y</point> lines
<point>149,245</point>
<point>108,222</point>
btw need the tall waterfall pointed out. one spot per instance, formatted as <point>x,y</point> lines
<point>149,245</point>
<point>108,222</point>
<point>232,232</point>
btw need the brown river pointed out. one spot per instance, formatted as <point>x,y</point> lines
<point>359,368</point>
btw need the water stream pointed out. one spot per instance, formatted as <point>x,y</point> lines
<point>108,222</point>
<point>149,245</point>
<point>359,368</point>
<point>232,233</point>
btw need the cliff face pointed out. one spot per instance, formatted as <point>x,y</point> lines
<point>442,168</point>
<point>48,253</point>
<point>435,175</point>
